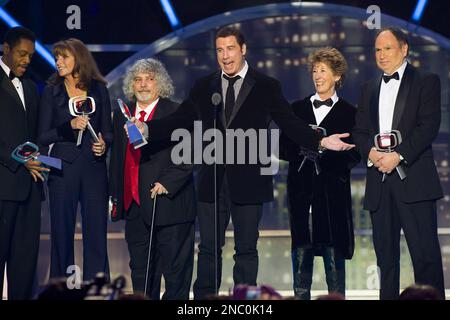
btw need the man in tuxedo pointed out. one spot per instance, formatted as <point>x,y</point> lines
<point>132,173</point>
<point>408,100</point>
<point>250,101</point>
<point>20,186</point>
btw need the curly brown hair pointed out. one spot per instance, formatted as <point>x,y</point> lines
<point>332,58</point>
<point>85,68</point>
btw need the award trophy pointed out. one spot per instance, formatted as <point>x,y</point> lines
<point>312,155</point>
<point>28,151</point>
<point>134,135</point>
<point>387,142</point>
<point>83,106</point>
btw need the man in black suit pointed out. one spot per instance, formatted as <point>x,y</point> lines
<point>407,100</point>
<point>20,196</point>
<point>251,101</point>
<point>132,173</point>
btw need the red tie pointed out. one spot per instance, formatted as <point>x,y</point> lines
<point>131,170</point>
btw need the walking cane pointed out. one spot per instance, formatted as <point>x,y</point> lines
<point>150,244</point>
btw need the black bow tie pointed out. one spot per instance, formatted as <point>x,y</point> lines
<point>395,76</point>
<point>319,103</point>
<point>12,76</point>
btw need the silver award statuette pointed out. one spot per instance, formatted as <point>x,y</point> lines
<point>83,106</point>
<point>312,155</point>
<point>387,142</point>
<point>30,151</point>
<point>134,135</point>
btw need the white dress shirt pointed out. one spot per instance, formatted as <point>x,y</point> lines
<point>321,113</point>
<point>386,102</point>
<point>16,82</point>
<point>388,96</point>
<point>237,85</point>
<point>148,110</point>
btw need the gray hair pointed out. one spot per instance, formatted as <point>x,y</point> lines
<point>157,69</point>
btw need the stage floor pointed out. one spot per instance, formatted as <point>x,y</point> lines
<point>274,264</point>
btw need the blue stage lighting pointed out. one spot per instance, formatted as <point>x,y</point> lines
<point>418,12</point>
<point>170,13</point>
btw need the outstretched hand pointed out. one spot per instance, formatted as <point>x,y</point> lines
<point>335,143</point>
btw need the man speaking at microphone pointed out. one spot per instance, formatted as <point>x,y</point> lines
<point>250,101</point>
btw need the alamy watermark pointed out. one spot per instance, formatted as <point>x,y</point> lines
<point>73,273</point>
<point>236,146</point>
<point>74,20</point>
<point>374,20</point>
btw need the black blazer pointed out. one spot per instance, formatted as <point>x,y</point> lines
<point>54,122</point>
<point>417,115</point>
<point>329,192</point>
<point>16,127</point>
<point>155,166</point>
<point>260,101</point>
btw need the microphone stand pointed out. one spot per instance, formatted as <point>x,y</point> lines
<point>216,99</point>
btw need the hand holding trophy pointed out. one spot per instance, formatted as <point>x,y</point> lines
<point>83,106</point>
<point>30,151</point>
<point>135,136</point>
<point>387,142</point>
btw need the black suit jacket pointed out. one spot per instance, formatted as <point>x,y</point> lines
<point>329,192</point>
<point>54,122</point>
<point>417,115</point>
<point>16,127</point>
<point>260,101</point>
<point>155,166</point>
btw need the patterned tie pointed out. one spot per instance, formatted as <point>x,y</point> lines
<point>131,170</point>
<point>230,97</point>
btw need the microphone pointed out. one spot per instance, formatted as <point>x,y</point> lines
<point>216,99</point>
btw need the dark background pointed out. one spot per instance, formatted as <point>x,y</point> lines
<point>144,21</point>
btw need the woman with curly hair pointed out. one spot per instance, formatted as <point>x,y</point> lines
<point>320,205</point>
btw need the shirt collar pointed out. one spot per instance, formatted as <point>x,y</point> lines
<point>334,97</point>
<point>241,73</point>
<point>148,109</point>
<point>400,70</point>
<point>4,66</point>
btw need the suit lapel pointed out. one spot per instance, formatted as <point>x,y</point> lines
<point>400,102</point>
<point>374,105</point>
<point>7,85</point>
<point>246,87</point>
<point>331,116</point>
<point>29,104</point>
<point>309,112</point>
<point>160,111</point>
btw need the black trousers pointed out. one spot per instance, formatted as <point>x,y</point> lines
<point>419,224</point>
<point>83,181</point>
<point>246,220</point>
<point>20,226</point>
<point>171,257</point>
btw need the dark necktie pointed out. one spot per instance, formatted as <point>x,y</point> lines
<point>395,76</point>
<point>230,97</point>
<point>319,103</point>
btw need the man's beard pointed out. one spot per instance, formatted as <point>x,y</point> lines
<point>143,96</point>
